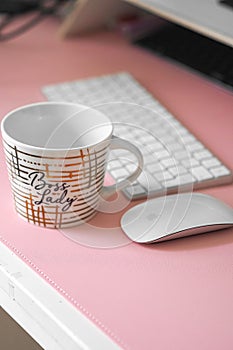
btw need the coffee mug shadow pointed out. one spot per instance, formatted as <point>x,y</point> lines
<point>103,231</point>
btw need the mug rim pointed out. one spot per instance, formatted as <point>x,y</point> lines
<point>6,136</point>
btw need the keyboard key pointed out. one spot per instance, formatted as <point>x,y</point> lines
<point>220,171</point>
<point>182,155</point>
<point>194,146</point>
<point>172,147</point>
<point>154,167</point>
<point>169,162</point>
<point>202,155</point>
<point>167,139</point>
<point>201,173</point>
<point>177,170</point>
<point>163,176</point>
<point>189,163</point>
<point>114,164</point>
<point>209,163</point>
<point>156,146</point>
<point>119,173</point>
<point>136,190</point>
<point>149,182</point>
<point>150,158</point>
<point>180,181</point>
<point>131,167</point>
<point>161,154</point>
<point>188,139</point>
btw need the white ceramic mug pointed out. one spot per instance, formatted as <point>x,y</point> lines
<point>56,155</point>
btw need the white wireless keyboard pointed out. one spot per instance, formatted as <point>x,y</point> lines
<point>173,158</point>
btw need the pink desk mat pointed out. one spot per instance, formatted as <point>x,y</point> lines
<point>175,295</point>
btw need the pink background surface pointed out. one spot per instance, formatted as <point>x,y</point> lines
<point>175,295</point>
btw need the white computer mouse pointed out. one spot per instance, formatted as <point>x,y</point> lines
<point>175,216</point>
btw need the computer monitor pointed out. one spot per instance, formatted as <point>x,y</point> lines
<point>213,18</point>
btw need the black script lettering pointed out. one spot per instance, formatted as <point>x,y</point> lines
<point>56,187</point>
<point>39,176</point>
<point>70,201</point>
<point>64,193</point>
<point>64,186</point>
<point>47,191</point>
<point>60,200</point>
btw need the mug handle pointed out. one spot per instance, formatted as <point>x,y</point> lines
<point>118,143</point>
